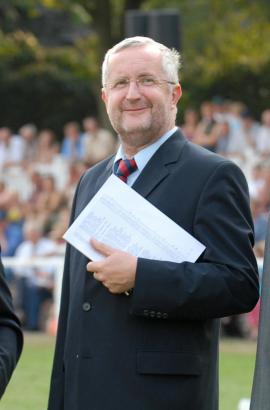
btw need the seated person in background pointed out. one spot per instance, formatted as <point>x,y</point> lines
<point>47,147</point>
<point>6,195</point>
<point>204,134</point>
<point>10,233</point>
<point>11,148</point>
<point>72,147</point>
<point>190,123</point>
<point>49,161</point>
<point>28,135</point>
<point>99,143</point>
<point>263,136</point>
<point>260,218</point>
<point>11,338</point>
<point>35,283</point>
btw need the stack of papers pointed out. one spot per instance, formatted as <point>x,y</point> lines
<point>121,218</point>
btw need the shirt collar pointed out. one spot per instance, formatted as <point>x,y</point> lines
<point>143,156</point>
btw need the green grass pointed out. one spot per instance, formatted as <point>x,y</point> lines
<point>29,386</point>
<point>28,389</point>
<point>237,362</point>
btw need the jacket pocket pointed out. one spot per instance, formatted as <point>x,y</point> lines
<point>168,363</point>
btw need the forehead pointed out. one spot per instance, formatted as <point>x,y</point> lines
<point>135,60</point>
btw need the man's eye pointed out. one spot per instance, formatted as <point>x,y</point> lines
<point>147,81</point>
<point>120,83</point>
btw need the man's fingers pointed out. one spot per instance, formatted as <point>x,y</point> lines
<point>101,247</point>
<point>98,276</point>
<point>94,266</point>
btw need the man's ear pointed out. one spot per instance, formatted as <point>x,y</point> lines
<point>177,93</point>
<point>104,96</point>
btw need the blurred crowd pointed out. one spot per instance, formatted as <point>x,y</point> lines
<point>229,129</point>
<point>38,177</point>
<point>39,172</point>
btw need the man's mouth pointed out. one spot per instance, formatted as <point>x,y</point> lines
<point>135,109</point>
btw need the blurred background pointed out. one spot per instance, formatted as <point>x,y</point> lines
<point>53,126</point>
<point>51,50</point>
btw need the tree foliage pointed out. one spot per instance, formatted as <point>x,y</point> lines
<point>45,86</point>
<point>226,51</point>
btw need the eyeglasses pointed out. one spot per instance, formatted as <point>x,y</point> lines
<point>143,82</point>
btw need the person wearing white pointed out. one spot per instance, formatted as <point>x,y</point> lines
<point>36,282</point>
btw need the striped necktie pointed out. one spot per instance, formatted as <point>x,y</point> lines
<point>124,167</point>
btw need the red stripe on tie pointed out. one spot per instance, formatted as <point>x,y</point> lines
<point>125,168</point>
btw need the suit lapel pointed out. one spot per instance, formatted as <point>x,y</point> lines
<point>90,187</point>
<point>159,166</point>
<point>105,174</point>
<point>156,170</point>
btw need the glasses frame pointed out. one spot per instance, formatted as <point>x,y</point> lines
<point>143,82</point>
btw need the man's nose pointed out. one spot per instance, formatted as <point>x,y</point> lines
<point>133,90</point>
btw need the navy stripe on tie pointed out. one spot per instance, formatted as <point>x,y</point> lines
<point>124,167</point>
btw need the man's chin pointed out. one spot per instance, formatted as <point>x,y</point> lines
<point>136,124</point>
<point>137,130</point>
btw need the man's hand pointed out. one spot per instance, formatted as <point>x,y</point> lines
<point>117,271</point>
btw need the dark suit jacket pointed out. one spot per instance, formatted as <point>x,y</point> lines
<point>158,349</point>
<point>11,339</point>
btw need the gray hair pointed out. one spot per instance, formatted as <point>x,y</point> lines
<point>171,59</point>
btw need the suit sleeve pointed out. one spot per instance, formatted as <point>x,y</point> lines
<point>224,281</point>
<point>11,338</point>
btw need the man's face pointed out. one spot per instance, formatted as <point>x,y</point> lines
<point>140,112</point>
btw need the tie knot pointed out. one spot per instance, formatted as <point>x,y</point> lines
<point>124,167</point>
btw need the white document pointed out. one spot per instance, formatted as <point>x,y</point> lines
<point>120,217</point>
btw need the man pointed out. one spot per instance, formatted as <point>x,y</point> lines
<point>98,142</point>
<point>158,347</point>
<point>11,149</point>
<point>72,144</point>
<point>34,283</point>
<point>11,339</point>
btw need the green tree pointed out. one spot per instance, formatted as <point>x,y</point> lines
<point>45,86</point>
<point>225,45</point>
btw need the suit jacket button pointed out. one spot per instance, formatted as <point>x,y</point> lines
<point>86,306</point>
